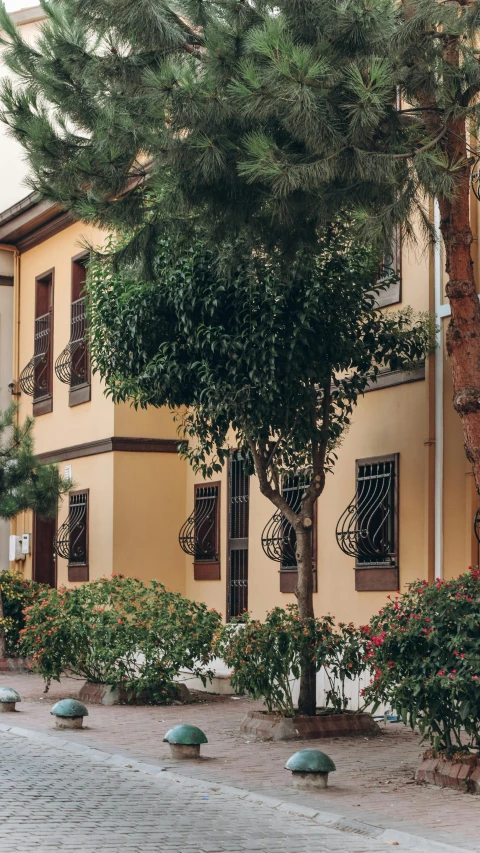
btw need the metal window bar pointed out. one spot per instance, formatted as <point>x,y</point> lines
<point>198,536</point>
<point>71,365</point>
<point>366,530</point>
<point>239,505</point>
<point>70,541</point>
<point>279,539</point>
<point>35,377</point>
<point>476,525</point>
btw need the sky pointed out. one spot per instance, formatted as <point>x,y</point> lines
<point>14,5</point>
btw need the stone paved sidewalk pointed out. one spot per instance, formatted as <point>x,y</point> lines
<point>374,781</point>
<point>53,801</point>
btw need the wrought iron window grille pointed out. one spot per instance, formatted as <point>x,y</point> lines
<point>366,530</point>
<point>238,521</point>
<point>476,525</point>
<point>71,366</point>
<point>35,377</point>
<point>70,541</point>
<point>279,539</point>
<point>198,536</point>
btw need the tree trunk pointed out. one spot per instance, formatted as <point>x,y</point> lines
<point>463,335</point>
<point>307,701</point>
<point>3,649</point>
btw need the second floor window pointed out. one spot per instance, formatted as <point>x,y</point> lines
<point>73,365</point>
<point>200,535</point>
<point>36,379</point>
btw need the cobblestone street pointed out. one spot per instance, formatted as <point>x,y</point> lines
<point>53,800</point>
<point>374,782</point>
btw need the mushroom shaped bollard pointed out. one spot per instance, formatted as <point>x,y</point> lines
<point>310,768</point>
<point>69,714</point>
<point>8,697</point>
<point>185,741</point>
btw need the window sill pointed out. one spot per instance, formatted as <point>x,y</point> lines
<point>380,579</point>
<point>77,574</point>
<point>206,571</point>
<point>79,395</point>
<point>289,578</point>
<point>43,406</point>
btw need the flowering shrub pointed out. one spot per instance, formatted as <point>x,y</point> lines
<point>121,632</point>
<point>16,593</point>
<point>424,653</point>
<point>266,656</point>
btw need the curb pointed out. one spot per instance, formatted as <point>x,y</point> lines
<point>327,819</point>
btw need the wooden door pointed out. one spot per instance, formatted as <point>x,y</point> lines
<point>44,562</point>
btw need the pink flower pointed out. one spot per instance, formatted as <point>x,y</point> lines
<point>442,672</point>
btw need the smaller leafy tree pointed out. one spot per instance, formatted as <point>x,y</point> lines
<point>266,657</point>
<point>25,483</point>
<point>423,650</point>
<point>276,353</point>
<point>17,593</point>
<point>122,632</point>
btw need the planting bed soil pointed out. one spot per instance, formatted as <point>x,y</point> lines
<point>15,664</point>
<point>462,773</point>
<point>105,694</point>
<point>262,725</point>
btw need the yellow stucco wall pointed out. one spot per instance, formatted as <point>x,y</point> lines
<point>148,510</point>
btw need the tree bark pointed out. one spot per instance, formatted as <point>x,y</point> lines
<point>463,334</point>
<point>3,648</point>
<point>307,700</point>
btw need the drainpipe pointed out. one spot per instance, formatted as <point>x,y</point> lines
<point>437,275</point>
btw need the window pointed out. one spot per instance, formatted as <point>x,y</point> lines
<point>391,262</point>
<point>368,529</point>
<point>36,379</point>
<point>200,535</point>
<point>73,364</point>
<point>279,539</point>
<point>71,540</point>
<point>238,518</point>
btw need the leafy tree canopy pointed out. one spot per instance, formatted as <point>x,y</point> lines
<point>278,355</point>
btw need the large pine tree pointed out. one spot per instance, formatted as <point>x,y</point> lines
<point>261,118</point>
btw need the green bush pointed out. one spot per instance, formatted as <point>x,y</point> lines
<point>266,656</point>
<point>423,650</point>
<point>17,593</point>
<point>121,632</point>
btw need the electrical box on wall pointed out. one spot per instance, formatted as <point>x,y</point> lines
<point>15,549</point>
<point>25,543</point>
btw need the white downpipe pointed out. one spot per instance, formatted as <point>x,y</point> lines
<point>437,272</point>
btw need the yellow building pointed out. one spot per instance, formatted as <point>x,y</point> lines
<point>138,509</point>
<point>129,482</point>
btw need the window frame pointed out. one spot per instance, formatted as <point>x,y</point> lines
<point>381,578</point>
<point>79,572</point>
<point>209,570</point>
<point>43,405</point>
<point>80,393</point>
<point>393,294</point>
<point>246,540</point>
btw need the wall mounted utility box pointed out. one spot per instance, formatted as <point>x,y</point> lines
<point>25,543</point>
<point>15,549</point>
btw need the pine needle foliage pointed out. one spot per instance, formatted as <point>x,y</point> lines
<point>25,482</point>
<point>260,119</point>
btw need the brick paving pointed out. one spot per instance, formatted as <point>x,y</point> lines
<point>56,802</point>
<point>374,781</point>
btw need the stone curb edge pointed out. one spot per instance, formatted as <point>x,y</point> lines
<point>328,819</point>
